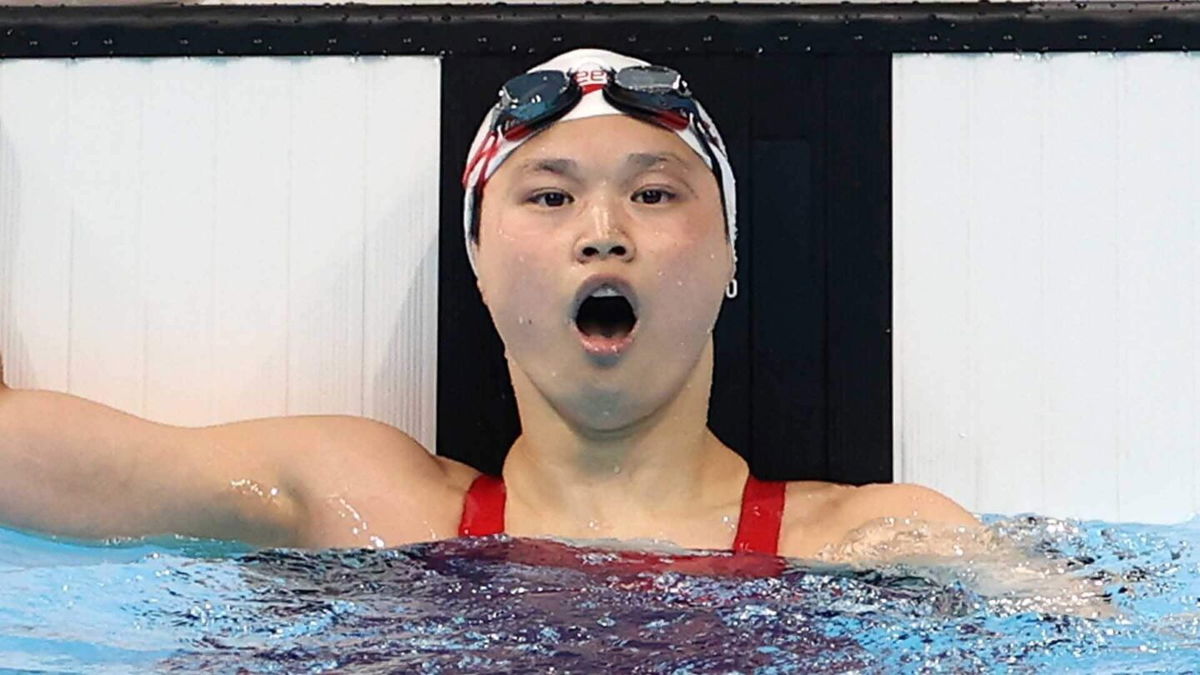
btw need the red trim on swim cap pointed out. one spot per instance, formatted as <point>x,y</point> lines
<point>479,154</point>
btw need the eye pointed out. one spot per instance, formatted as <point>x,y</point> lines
<point>551,199</point>
<point>653,196</point>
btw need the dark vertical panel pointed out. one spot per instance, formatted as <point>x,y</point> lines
<point>788,304</point>
<point>476,411</point>
<point>860,268</point>
<point>789,309</point>
<point>722,85</point>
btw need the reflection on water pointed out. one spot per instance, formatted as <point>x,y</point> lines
<point>1032,594</point>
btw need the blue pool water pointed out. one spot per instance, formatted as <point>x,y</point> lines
<point>1040,595</point>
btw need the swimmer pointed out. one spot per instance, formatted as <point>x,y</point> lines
<point>600,220</point>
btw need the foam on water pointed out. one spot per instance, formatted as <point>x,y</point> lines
<point>1033,594</point>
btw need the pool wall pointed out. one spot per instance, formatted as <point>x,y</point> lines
<point>203,240</point>
<point>1046,295</point>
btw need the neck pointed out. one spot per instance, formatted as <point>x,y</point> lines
<point>665,464</point>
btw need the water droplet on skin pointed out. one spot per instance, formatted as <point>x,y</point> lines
<point>593,525</point>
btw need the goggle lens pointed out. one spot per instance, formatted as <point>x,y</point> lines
<point>650,80</point>
<point>533,97</point>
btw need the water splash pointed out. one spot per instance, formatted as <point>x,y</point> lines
<point>502,604</point>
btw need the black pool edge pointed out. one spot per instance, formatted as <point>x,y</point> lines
<point>191,30</point>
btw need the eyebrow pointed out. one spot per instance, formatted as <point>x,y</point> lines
<point>560,166</point>
<point>645,160</point>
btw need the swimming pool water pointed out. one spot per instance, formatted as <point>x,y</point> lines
<point>510,605</point>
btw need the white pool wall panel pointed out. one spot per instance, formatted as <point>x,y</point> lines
<point>1046,312</point>
<point>204,240</point>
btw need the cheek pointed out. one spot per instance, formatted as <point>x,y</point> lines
<point>695,262</point>
<point>691,284</point>
<point>516,284</point>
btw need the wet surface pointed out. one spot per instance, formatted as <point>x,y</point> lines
<point>1040,595</point>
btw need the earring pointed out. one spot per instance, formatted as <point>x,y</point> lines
<point>731,291</point>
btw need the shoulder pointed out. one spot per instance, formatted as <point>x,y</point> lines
<point>362,469</point>
<point>359,448</point>
<point>901,500</point>
<point>819,513</point>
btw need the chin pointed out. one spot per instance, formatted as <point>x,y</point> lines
<point>607,418</point>
<point>613,401</point>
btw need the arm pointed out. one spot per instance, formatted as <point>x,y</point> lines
<point>72,467</point>
<point>922,527</point>
<point>903,500</point>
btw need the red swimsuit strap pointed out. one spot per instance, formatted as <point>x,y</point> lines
<point>757,532</point>
<point>483,509</point>
<point>761,518</point>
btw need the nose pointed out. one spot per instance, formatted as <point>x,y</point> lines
<point>604,239</point>
<point>602,248</point>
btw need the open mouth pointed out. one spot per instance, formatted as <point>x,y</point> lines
<point>605,313</point>
<point>606,318</point>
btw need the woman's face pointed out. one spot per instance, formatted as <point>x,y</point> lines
<point>602,258</point>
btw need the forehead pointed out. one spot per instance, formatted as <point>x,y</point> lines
<point>605,140</point>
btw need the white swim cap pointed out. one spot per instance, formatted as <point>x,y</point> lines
<point>590,68</point>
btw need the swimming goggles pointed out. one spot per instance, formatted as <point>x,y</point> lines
<point>531,101</point>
